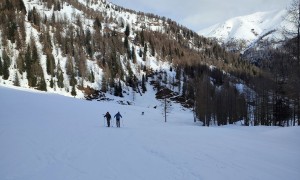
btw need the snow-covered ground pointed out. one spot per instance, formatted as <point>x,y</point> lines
<point>48,136</point>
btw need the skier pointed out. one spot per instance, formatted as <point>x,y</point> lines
<point>118,116</point>
<point>108,117</point>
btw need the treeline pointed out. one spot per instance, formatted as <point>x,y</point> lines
<point>277,101</point>
<point>217,100</point>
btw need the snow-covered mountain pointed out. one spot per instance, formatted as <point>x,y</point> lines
<point>250,28</point>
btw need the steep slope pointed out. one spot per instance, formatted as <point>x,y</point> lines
<point>78,47</point>
<point>53,29</point>
<point>46,136</point>
<point>250,28</point>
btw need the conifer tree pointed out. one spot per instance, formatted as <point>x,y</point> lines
<point>53,18</point>
<point>133,54</point>
<point>16,81</point>
<point>28,64</point>
<point>178,73</point>
<point>120,90</point>
<point>72,79</point>
<point>104,84</point>
<point>51,82</point>
<point>140,53</point>
<point>88,38</point>
<point>6,64</point>
<point>81,66</point>
<point>92,77</point>
<point>34,70</point>
<point>184,86</point>
<point>97,23</point>
<point>145,52</point>
<point>116,90</point>
<point>42,84</point>
<point>21,64</point>
<point>126,44</point>
<point>50,64</point>
<point>34,53</point>
<point>12,30</point>
<point>1,67</point>
<point>73,92</point>
<point>163,51</point>
<point>143,84</point>
<point>60,77</point>
<point>142,37</point>
<point>111,85</point>
<point>152,48</point>
<point>34,17</point>
<point>69,66</point>
<point>127,30</point>
<point>129,54</point>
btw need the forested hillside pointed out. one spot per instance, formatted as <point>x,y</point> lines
<point>86,48</point>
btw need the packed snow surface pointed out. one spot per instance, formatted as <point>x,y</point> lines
<point>47,136</point>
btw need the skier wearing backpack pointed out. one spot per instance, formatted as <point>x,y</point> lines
<point>108,117</point>
<point>118,116</point>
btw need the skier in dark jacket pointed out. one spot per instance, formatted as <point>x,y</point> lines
<point>108,117</point>
<point>118,116</point>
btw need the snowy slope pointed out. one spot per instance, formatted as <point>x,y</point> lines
<point>68,12</point>
<point>47,136</point>
<point>250,27</point>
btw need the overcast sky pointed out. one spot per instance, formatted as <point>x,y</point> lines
<point>199,14</point>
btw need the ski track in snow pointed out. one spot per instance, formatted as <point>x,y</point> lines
<point>47,136</point>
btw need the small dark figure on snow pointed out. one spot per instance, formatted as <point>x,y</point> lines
<point>108,117</point>
<point>118,116</point>
<point>142,113</point>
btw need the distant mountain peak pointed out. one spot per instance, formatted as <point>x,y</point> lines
<point>249,27</point>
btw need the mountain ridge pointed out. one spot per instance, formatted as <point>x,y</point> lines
<point>250,27</point>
